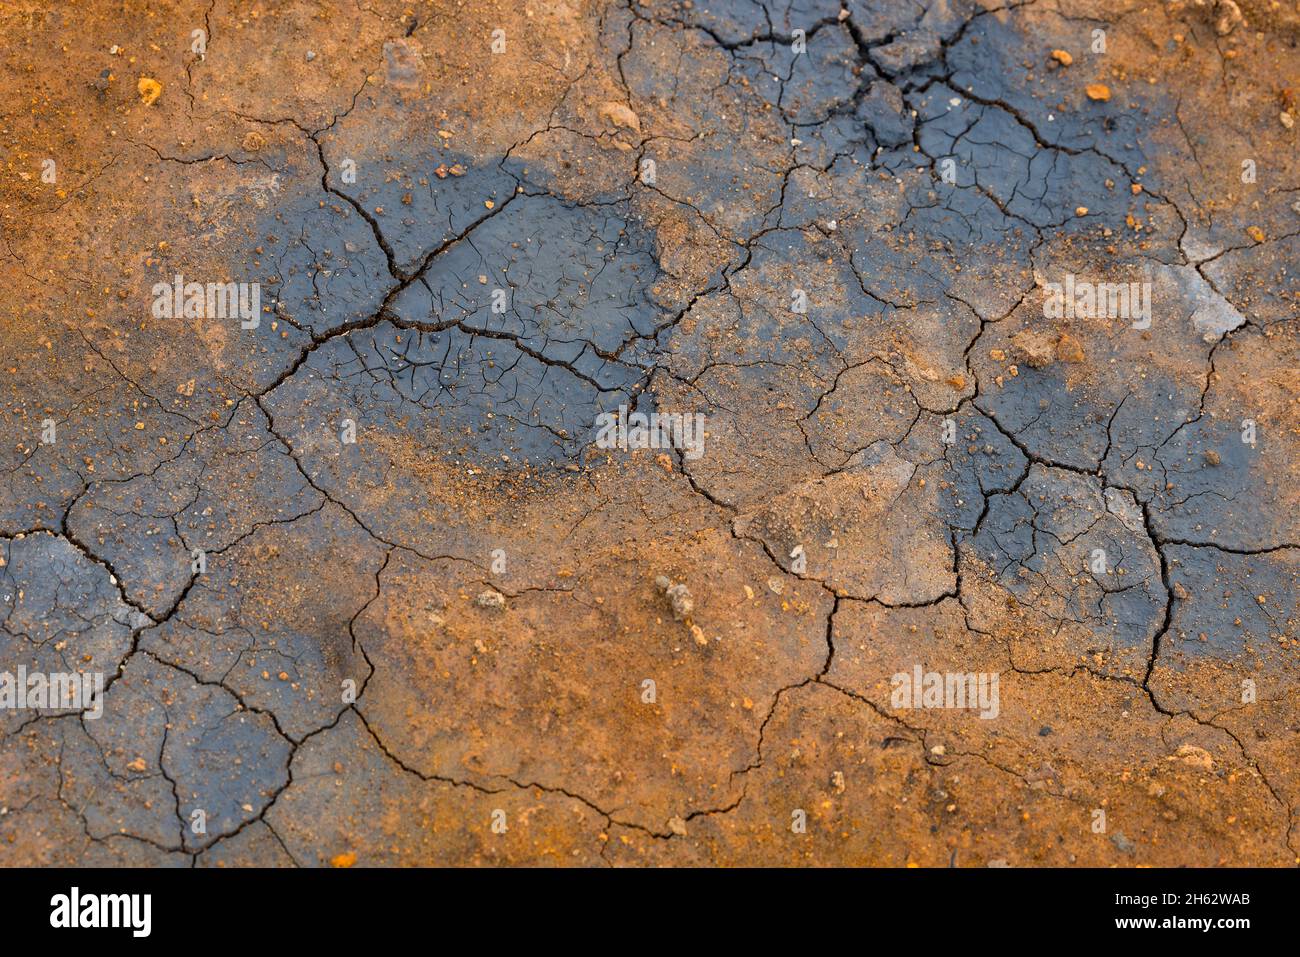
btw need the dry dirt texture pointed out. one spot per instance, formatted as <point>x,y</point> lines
<point>918,469</point>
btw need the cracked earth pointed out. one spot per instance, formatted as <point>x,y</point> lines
<point>430,645</point>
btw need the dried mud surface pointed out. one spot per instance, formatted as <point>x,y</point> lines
<point>915,471</point>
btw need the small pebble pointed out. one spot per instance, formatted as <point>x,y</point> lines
<point>491,599</point>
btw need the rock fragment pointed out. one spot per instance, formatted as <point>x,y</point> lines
<point>679,597</point>
<point>149,90</point>
<point>1194,756</point>
<point>1034,347</point>
<point>620,115</point>
<point>491,599</point>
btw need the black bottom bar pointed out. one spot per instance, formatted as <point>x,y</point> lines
<point>339,907</point>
